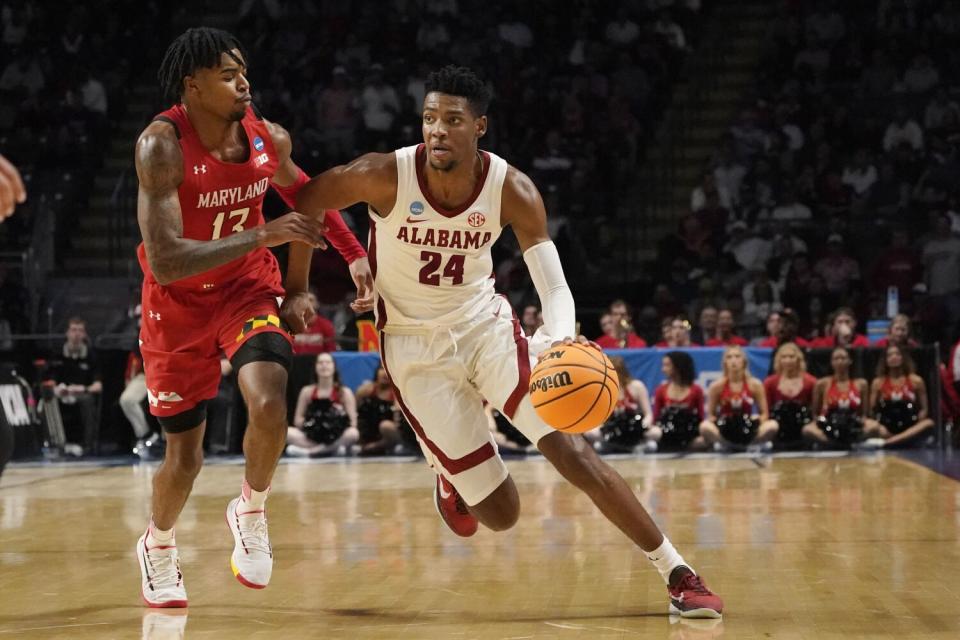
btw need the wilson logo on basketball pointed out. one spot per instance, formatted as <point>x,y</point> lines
<point>557,380</point>
<point>553,355</point>
<point>476,219</point>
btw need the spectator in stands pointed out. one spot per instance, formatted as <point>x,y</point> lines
<point>898,266</point>
<point>790,393</point>
<point>760,298</point>
<point>937,114</point>
<point>666,332</point>
<point>671,32</point>
<point>336,116</point>
<point>941,260</point>
<point>838,270</point>
<point>921,76</point>
<point>77,376</point>
<point>783,327</point>
<point>379,106</point>
<point>737,412</point>
<point>22,76</point>
<point>624,429</point>
<point>708,186</point>
<point>706,329</point>
<point>898,333</point>
<point>749,139</point>
<point>839,404</point>
<point>898,398</point>
<point>903,130</point>
<point>750,251</point>
<point>772,326</point>
<point>680,334</point>
<point>131,401</point>
<point>325,420</point>
<point>622,31</point>
<point>842,332</point>
<point>379,418</point>
<point>890,194</point>
<point>320,336</point>
<point>729,174</point>
<point>618,333</point>
<point>859,176</point>
<point>677,406</point>
<point>790,210</point>
<point>726,325</point>
<point>531,319</point>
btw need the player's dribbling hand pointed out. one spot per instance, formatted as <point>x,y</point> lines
<point>581,340</point>
<point>297,312</point>
<point>293,227</point>
<point>12,191</point>
<point>363,278</point>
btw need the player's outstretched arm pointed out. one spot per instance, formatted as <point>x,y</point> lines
<point>288,181</point>
<point>172,257</point>
<point>12,191</point>
<point>522,208</point>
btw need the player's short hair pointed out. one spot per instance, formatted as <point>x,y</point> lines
<point>461,81</point>
<point>196,48</point>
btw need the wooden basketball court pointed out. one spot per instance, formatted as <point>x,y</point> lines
<point>800,548</point>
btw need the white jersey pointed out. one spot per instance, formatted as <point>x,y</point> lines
<point>432,266</point>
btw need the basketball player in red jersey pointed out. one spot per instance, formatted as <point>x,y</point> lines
<point>211,287</point>
<point>447,340</point>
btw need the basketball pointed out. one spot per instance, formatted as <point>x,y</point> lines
<point>574,388</point>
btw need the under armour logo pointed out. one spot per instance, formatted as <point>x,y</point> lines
<point>153,316</point>
<point>197,170</point>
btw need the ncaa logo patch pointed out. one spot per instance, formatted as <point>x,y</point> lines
<point>476,219</point>
<point>258,143</point>
<point>416,207</point>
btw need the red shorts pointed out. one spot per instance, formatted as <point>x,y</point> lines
<point>186,331</point>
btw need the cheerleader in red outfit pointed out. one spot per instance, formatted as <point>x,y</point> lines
<point>624,430</point>
<point>899,400</point>
<point>677,407</point>
<point>737,408</point>
<point>790,392</point>
<point>839,402</point>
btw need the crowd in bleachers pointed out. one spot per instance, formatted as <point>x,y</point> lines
<point>836,182</point>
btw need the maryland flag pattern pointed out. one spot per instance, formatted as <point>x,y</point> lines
<point>256,323</point>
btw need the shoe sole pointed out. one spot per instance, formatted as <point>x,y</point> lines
<point>695,613</point>
<point>169,604</point>
<point>233,565</point>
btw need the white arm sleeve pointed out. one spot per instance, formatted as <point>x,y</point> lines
<point>559,312</point>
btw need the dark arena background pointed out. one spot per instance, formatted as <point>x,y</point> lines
<point>760,195</point>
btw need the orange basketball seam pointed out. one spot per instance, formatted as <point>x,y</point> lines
<point>590,408</point>
<point>566,393</point>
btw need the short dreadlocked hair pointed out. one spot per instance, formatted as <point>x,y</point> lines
<point>463,82</point>
<point>196,48</point>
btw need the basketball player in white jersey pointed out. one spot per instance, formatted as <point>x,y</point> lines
<point>449,341</point>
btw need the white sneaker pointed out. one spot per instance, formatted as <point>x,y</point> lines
<point>650,446</point>
<point>167,624</point>
<point>763,447</point>
<point>296,451</point>
<point>252,559</point>
<point>161,583</point>
<point>872,444</point>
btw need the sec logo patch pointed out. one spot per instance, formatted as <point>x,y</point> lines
<point>476,219</point>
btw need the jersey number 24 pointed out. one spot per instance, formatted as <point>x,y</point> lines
<point>453,269</point>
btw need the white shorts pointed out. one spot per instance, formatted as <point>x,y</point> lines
<point>441,379</point>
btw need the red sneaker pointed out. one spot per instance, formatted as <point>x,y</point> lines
<point>692,599</point>
<point>453,509</point>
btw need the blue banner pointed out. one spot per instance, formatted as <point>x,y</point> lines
<point>643,364</point>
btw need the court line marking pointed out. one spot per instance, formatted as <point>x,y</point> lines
<point>58,626</point>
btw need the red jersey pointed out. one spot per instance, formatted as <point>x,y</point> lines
<point>627,400</point>
<point>892,391</point>
<point>633,341</point>
<point>835,398</point>
<point>735,403</point>
<point>733,340</point>
<point>692,401</point>
<point>829,342</point>
<point>220,198</point>
<point>771,387</point>
<point>883,342</point>
<point>320,337</point>
<point>773,342</point>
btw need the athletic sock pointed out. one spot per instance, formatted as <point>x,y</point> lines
<point>253,500</point>
<point>665,558</point>
<point>159,537</point>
